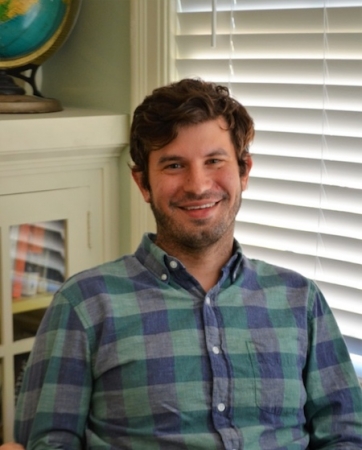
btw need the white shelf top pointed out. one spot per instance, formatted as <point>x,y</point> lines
<point>72,127</point>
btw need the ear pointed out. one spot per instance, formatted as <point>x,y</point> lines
<point>137,176</point>
<point>245,177</point>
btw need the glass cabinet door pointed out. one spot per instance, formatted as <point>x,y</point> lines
<point>44,238</point>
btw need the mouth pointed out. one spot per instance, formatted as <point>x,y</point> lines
<point>197,207</point>
<point>200,211</point>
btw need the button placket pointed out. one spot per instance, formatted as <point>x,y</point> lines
<point>218,365</point>
<point>220,372</point>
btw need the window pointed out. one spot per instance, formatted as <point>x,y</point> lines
<point>297,67</point>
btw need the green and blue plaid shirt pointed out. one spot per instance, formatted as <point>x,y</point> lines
<point>134,355</point>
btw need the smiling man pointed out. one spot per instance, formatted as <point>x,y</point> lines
<point>188,344</point>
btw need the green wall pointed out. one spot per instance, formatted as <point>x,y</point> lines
<point>92,68</point>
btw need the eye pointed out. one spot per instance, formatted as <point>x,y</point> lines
<point>213,161</point>
<point>173,166</point>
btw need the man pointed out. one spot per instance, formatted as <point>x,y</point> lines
<point>188,344</point>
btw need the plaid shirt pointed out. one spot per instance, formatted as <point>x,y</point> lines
<point>134,355</point>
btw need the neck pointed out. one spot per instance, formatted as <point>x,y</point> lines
<point>203,264</point>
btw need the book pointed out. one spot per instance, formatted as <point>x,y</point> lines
<point>38,255</point>
<point>20,260</point>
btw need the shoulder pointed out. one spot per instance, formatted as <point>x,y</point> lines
<point>282,286</point>
<point>272,275</point>
<point>101,280</point>
<point>95,295</point>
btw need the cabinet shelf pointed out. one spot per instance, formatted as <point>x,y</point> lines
<point>24,304</point>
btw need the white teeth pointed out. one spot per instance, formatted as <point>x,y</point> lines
<point>209,205</point>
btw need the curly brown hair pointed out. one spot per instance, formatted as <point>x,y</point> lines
<point>158,118</point>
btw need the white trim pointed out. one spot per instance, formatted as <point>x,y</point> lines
<point>152,22</point>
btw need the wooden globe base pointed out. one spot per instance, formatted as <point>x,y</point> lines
<point>28,104</point>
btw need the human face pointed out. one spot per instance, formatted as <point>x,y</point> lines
<point>195,187</point>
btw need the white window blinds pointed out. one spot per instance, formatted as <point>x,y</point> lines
<point>297,67</point>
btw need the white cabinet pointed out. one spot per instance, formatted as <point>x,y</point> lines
<point>59,214</point>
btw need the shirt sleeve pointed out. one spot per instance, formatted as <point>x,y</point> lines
<point>334,396</point>
<point>54,401</point>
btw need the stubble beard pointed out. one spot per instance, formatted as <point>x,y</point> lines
<point>193,239</point>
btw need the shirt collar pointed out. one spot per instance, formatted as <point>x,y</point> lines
<point>158,262</point>
<point>235,263</point>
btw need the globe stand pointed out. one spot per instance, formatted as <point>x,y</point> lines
<point>13,99</point>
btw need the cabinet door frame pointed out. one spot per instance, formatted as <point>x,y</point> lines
<point>79,204</point>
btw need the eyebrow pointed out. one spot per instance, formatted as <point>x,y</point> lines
<point>176,158</point>
<point>169,158</point>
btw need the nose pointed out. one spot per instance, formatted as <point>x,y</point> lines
<point>197,180</point>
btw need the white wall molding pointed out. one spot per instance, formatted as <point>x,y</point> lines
<point>152,43</point>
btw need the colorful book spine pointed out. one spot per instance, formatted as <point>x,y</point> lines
<point>20,259</point>
<point>36,242</point>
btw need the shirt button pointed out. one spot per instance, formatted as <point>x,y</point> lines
<point>173,264</point>
<point>221,407</point>
<point>207,300</point>
<point>216,350</point>
<point>164,277</point>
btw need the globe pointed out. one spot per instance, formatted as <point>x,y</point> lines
<point>30,32</point>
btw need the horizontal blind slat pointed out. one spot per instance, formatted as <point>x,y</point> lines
<point>302,218</point>
<point>288,71</point>
<point>346,251</point>
<point>337,123</point>
<point>308,146</point>
<point>331,173</point>
<point>269,46</point>
<point>304,194</point>
<point>346,20</point>
<point>263,5</point>
<point>329,97</point>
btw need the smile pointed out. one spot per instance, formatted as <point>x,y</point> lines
<point>208,205</point>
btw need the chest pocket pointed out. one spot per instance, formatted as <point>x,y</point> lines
<point>277,376</point>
